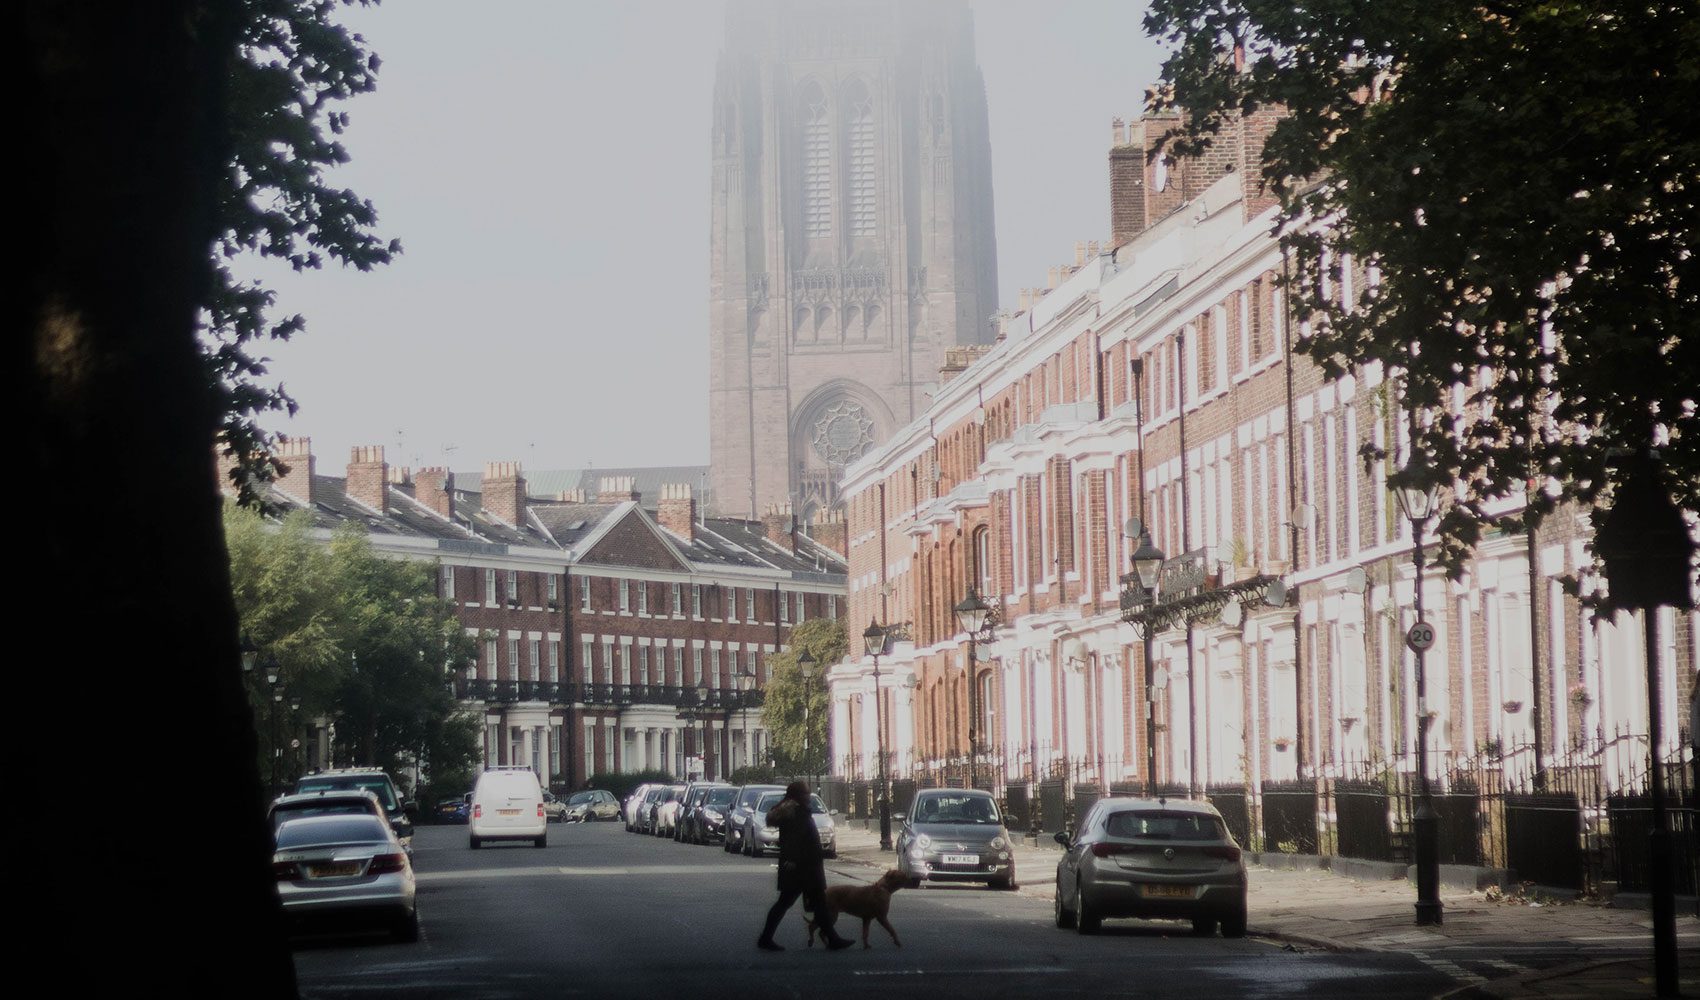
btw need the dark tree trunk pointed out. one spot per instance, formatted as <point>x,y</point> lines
<point>154,867</point>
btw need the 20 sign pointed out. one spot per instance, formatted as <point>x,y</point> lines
<point>1420,637</point>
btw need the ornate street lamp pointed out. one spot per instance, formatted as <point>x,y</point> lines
<point>873,640</point>
<point>806,667</point>
<point>702,713</point>
<point>250,653</point>
<point>1148,566</point>
<point>1417,495</point>
<point>973,614</point>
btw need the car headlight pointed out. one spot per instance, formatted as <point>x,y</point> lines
<point>999,843</point>
<point>923,841</point>
<point>713,815</point>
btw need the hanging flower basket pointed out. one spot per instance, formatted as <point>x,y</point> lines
<point>1347,722</point>
<point>1283,742</point>
<point>1512,706</point>
<point>1580,697</point>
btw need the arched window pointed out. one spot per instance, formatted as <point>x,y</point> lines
<point>861,172</point>
<point>817,161</point>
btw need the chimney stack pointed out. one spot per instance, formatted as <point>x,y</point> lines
<point>296,454</point>
<point>1128,215</point>
<point>830,530</point>
<point>368,477</point>
<point>435,488</point>
<point>778,525</point>
<point>574,495</point>
<point>504,492</point>
<point>677,511</point>
<point>617,489</point>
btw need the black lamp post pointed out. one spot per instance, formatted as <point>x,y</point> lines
<point>806,666</point>
<point>1648,555</point>
<point>1416,496</point>
<point>1148,566</point>
<point>702,713</point>
<point>973,614</point>
<point>874,641</point>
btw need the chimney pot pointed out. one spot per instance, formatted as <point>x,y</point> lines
<point>296,479</point>
<point>504,492</point>
<point>677,510</point>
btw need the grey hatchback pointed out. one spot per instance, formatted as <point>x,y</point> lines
<point>955,835</point>
<point>1135,857</point>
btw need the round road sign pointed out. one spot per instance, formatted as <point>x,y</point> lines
<point>1420,637</point>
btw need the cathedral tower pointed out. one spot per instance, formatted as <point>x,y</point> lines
<point>851,239</point>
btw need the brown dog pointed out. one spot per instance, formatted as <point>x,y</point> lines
<point>870,902</point>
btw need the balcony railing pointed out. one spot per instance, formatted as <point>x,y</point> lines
<point>502,692</point>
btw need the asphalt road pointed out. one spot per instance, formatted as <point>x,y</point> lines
<point>603,913</point>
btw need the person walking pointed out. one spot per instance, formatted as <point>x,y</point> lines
<point>802,869</point>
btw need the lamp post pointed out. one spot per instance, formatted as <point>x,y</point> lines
<point>702,713</point>
<point>1148,565</point>
<point>874,641</point>
<point>273,673</point>
<point>974,615</point>
<point>1416,497</point>
<point>806,666</point>
<point>1648,553</point>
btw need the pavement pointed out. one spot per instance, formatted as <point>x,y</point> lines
<point>1314,908</point>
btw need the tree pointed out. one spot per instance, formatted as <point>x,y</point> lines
<point>358,638</point>
<point>125,120</point>
<point>292,68</point>
<point>1520,181</point>
<point>783,713</point>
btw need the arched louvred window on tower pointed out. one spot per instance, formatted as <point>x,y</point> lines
<point>860,127</point>
<point>815,119</point>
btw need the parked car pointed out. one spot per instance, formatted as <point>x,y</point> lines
<point>650,805</point>
<point>354,801</point>
<point>373,779</point>
<point>708,816</point>
<point>507,804</point>
<point>634,802</point>
<point>554,809</point>
<point>594,804</point>
<point>743,807</point>
<point>954,835</point>
<point>1136,857</point>
<point>454,810</point>
<point>685,829</point>
<point>342,870</point>
<point>667,811</point>
<point>763,838</point>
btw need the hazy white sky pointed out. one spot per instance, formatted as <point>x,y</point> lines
<point>545,165</point>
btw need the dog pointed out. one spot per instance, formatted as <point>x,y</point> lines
<point>870,902</point>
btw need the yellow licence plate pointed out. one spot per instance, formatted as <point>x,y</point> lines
<point>507,812</point>
<point>1166,891</point>
<point>340,870</point>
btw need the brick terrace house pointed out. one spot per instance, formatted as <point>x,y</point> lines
<point>1021,474</point>
<point>612,635</point>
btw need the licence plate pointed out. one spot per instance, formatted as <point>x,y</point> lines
<point>1166,891</point>
<point>508,812</point>
<point>341,869</point>
<point>959,859</point>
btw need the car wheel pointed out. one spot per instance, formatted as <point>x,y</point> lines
<point>1233,923</point>
<point>406,928</point>
<point>474,843</point>
<point>542,841</point>
<point>1086,919</point>
<point>1002,884</point>
<point>1204,926</point>
<point>830,855</point>
<point>1065,916</point>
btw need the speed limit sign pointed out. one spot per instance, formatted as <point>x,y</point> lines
<point>1420,637</point>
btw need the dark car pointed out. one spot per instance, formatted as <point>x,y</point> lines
<point>955,835</point>
<point>455,810</point>
<point>738,821</point>
<point>708,816</point>
<point>1135,857</point>
<point>373,779</point>
<point>684,829</point>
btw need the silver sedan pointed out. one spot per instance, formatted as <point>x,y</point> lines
<point>344,870</point>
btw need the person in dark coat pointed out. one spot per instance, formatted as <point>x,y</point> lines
<point>802,869</point>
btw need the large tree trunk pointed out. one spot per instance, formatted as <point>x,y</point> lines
<point>133,748</point>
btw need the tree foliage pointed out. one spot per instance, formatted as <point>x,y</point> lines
<point>1520,178</point>
<point>293,68</point>
<point>358,638</point>
<point>783,713</point>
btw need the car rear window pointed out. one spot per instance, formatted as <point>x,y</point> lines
<point>1157,825</point>
<point>336,830</point>
<point>378,785</point>
<point>286,812</point>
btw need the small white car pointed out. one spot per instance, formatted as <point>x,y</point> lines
<point>507,804</point>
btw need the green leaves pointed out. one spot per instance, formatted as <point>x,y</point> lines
<point>783,712</point>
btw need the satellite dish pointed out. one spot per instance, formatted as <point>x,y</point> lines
<point>1303,516</point>
<point>1232,614</point>
<point>1356,581</point>
<point>1276,595</point>
<point>1133,528</point>
<point>1160,678</point>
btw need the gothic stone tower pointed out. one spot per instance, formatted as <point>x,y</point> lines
<point>851,241</point>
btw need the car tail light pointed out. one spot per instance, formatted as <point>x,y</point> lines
<point>539,810</point>
<point>1102,850</point>
<point>385,863</point>
<point>284,871</point>
<point>477,811</point>
<point>1225,853</point>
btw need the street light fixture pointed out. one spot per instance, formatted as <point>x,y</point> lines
<point>702,713</point>
<point>873,640</point>
<point>973,614</point>
<point>1148,566</point>
<point>250,653</point>
<point>806,667</point>
<point>1417,496</point>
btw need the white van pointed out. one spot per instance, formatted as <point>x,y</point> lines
<point>507,804</point>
